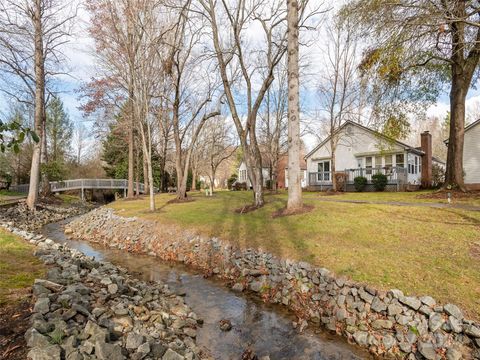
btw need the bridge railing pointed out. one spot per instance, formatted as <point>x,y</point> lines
<point>79,184</point>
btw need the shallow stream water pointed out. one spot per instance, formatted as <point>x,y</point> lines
<point>266,329</point>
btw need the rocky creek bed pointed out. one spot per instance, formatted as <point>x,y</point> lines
<point>387,323</point>
<point>88,309</point>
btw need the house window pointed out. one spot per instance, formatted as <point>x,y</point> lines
<point>378,162</point>
<point>400,160</point>
<point>414,165</point>
<point>368,164</point>
<point>243,175</point>
<point>323,171</point>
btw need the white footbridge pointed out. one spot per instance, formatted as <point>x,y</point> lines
<point>85,184</point>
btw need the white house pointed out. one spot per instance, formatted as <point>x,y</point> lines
<point>471,156</point>
<point>364,152</point>
<point>243,175</point>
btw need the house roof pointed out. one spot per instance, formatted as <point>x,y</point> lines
<point>472,125</point>
<point>468,127</point>
<point>376,133</point>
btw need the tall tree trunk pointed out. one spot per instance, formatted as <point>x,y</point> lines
<point>253,161</point>
<point>294,145</point>
<point>145,171</point>
<point>458,94</point>
<point>130,194</point>
<point>45,182</point>
<point>131,85</point>
<point>136,186</point>
<point>194,179</point>
<point>332,165</point>
<point>39,106</point>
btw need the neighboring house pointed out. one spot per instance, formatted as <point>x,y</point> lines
<point>243,175</point>
<point>362,151</point>
<point>282,173</point>
<point>471,156</point>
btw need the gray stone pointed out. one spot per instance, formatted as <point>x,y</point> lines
<point>428,300</point>
<point>341,314</point>
<point>190,332</point>
<point>112,288</point>
<point>144,348</point>
<point>49,352</point>
<point>42,306</point>
<point>172,355</point>
<point>35,339</point>
<point>453,354</point>
<point>96,332</point>
<point>105,351</point>
<point>361,337</point>
<point>378,305</point>
<point>133,341</point>
<point>394,309</point>
<point>238,287</point>
<point>76,355</point>
<point>453,310</point>
<point>395,293</point>
<point>256,286</point>
<point>425,310</point>
<point>99,311</point>
<point>225,325</point>
<point>48,285</point>
<point>427,350</point>
<point>382,324</point>
<point>435,322</point>
<point>472,330</point>
<point>158,350</point>
<point>455,324</point>
<point>410,301</point>
<point>388,341</point>
<point>42,326</point>
<point>405,347</point>
<point>365,296</point>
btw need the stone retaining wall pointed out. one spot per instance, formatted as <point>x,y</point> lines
<point>87,309</point>
<point>389,323</point>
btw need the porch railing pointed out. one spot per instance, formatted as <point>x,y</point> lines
<point>395,175</point>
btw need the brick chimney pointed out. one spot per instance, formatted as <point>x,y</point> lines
<point>426,146</point>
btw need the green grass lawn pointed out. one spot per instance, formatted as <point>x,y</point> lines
<point>410,197</point>
<point>18,267</point>
<point>6,195</point>
<point>418,250</point>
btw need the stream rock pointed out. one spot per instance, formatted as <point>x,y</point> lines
<point>84,320</point>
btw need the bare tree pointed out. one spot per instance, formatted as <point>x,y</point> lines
<point>273,124</point>
<point>339,85</point>
<point>193,91</point>
<point>31,35</point>
<point>294,143</point>
<point>218,146</point>
<point>249,67</point>
<point>117,44</point>
<point>80,135</point>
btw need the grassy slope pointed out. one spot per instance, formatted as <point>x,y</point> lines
<point>18,267</point>
<point>419,250</point>
<point>409,197</point>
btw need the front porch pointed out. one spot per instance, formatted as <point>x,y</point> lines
<point>396,176</point>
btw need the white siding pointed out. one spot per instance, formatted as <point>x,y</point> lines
<point>303,181</point>
<point>471,155</point>
<point>353,141</point>
<point>243,175</point>
<point>414,170</point>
